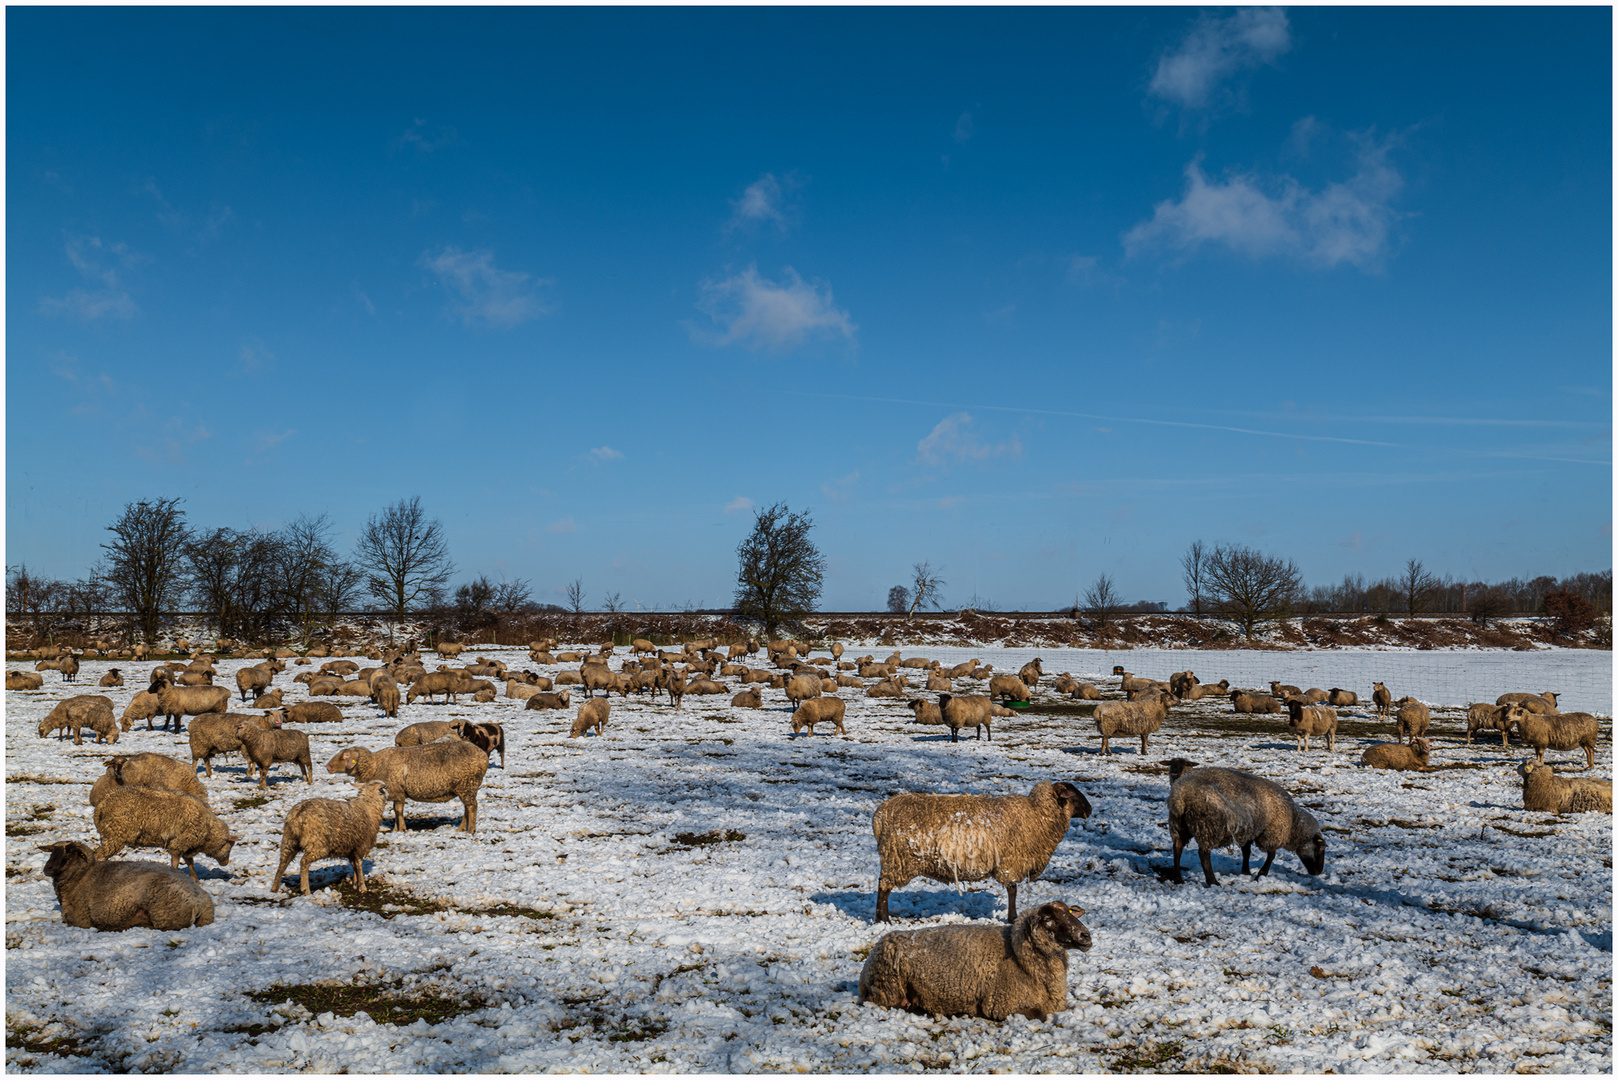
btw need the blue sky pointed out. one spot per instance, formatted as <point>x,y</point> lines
<point>1032,294</point>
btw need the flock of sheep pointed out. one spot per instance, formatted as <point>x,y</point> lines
<point>152,800</point>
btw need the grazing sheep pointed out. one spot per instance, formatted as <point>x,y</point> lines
<point>1226,807</point>
<point>385,695</point>
<point>24,680</point>
<point>1009,687</point>
<point>74,713</point>
<point>486,736</point>
<point>332,829</point>
<point>1565,731</point>
<point>1485,717</point>
<point>1397,755</point>
<point>820,710</point>
<point>956,838</point>
<point>1131,718</point>
<point>592,713</point>
<point>1544,791</point>
<point>1382,698</point>
<point>265,748</point>
<point>1543,703</point>
<point>1307,720</point>
<point>113,677</point>
<point>1341,699</point>
<point>147,770</point>
<point>1251,701</point>
<point>175,702</point>
<point>216,734</point>
<point>430,683</point>
<point>978,970</point>
<point>748,699</point>
<point>548,701</point>
<point>1413,717</point>
<point>423,733</point>
<point>437,772</point>
<point>119,895</point>
<point>143,706</point>
<point>157,817</point>
<point>596,676</point>
<point>256,678</point>
<point>960,711</point>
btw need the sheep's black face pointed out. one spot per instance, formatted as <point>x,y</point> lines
<point>1073,799</point>
<point>62,855</point>
<point>1062,923</point>
<point>1313,854</point>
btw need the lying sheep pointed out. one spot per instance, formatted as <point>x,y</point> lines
<point>437,772</point>
<point>216,734</point>
<point>887,688</point>
<point>270,700</point>
<point>1226,807</point>
<point>699,687</point>
<point>1282,690</point>
<point>820,710</point>
<point>548,701</point>
<point>265,748</point>
<point>1207,690</point>
<point>1397,755</point>
<point>156,817</point>
<point>423,733</point>
<point>1565,731</point>
<point>486,736</point>
<point>978,970</point>
<point>1085,692</point>
<point>1251,701</point>
<point>308,712</point>
<point>1131,718</point>
<point>1341,699</point>
<point>748,699</point>
<point>1413,717</point>
<point>926,712</point>
<point>592,713</point>
<point>1307,720</point>
<point>1544,791</point>
<point>522,691</point>
<point>1008,687</point>
<point>960,711</point>
<point>956,838</point>
<point>24,680</point>
<point>113,677</point>
<point>1482,716</point>
<point>146,770</point>
<point>332,829</point>
<point>120,895</point>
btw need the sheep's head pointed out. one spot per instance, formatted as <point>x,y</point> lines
<point>1313,849</point>
<point>1525,770</point>
<point>1062,924</point>
<point>344,761</point>
<point>1072,800</point>
<point>1178,767</point>
<point>63,853</point>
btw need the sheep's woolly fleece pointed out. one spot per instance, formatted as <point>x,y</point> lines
<point>693,891</point>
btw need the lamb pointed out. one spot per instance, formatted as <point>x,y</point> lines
<point>24,680</point>
<point>1565,731</point>
<point>437,772</point>
<point>486,736</point>
<point>1250,701</point>
<point>592,713</point>
<point>119,895</point>
<point>256,678</point>
<point>156,817</point>
<point>1132,718</point>
<point>1382,698</point>
<point>1413,718</point>
<point>1008,687</point>
<point>143,706</point>
<point>1544,791</point>
<point>265,748</point>
<point>1485,717</point>
<point>175,702</point>
<point>74,713</point>
<point>1226,807</point>
<point>1397,755</point>
<point>147,770</point>
<point>801,688</point>
<point>748,699</point>
<point>960,711</point>
<point>1543,703</point>
<point>113,677</point>
<point>978,970</point>
<point>216,734</point>
<point>1307,720</point>
<point>548,701</point>
<point>820,710</point>
<point>956,838</point>
<point>423,733</point>
<point>332,829</point>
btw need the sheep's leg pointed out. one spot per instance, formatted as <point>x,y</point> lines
<point>191,866</point>
<point>398,816</point>
<point>1504,734</point>
<point>1247,853</point>
<point>275,881</point>
<point>1179,851</point>
<point>1265,869</point>
<point>1143,739</point>
<point>1011,901</point>
<point>359,872</point>
<point>882,904</point>
<point>1206,857</point>
<point>469,821</point>
<point>303,873</point>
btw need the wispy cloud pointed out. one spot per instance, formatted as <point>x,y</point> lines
<point>767,199</point>
<point>566,525</point>
<point>1217,48</point>
<point>1348,221</point>
<point>98,263</point>
<point>1358,539</point>
<point>841,489</point>
<point>964,127</point>
<point>265,441</point>
<point>171,442</point>
<point>486,293</point>
<point>738,504</point>
<point>761,314</point>
<point>427,139</point>
<point>254,359</point>
<point>954,439</point>
<point>603,454</point>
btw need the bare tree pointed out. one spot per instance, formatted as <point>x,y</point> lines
<point>575,595</point>
<point>513,596</point>
<point>474,600</point>
<point>1101,599</point>
<point>898,599</point>
<point>1251,587</point>
<point>146,560</point>
<point>925,585</point>
<point>404,556</point>
<point>306,555</point>
<point>614,603</point>
<point>1194,572</point>
<point>337,588</point>
<point>780,570</point>
<point>1417,584</point>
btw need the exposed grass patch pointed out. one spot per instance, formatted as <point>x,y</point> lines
<point>1149,1057</point>
<point>31,1039</point>
<point>715,836</point>
<point>384,899</point>
<point>513,910</point>
<point>1532,834</point>
<point>385,1003</point>
<point>36,778</point>
<point>251,803</point>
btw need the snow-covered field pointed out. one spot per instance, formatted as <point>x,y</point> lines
<point>579,931</point>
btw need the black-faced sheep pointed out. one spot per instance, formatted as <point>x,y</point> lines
<point>119,895</point>
<point>956,838</point>
<point>24,680</point>
<point>113,677</point>
<point>1544,791</point>
<point>1342,699</point>
<point>1226,807</point>
<point>992,972</point>
<point>332,829</point>
<point>1307,720</point>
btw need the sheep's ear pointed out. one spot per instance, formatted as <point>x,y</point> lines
<point>49,848</point>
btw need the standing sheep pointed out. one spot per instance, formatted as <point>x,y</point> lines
<point>175,702</point>
<point>119,895</point>
<point>435,773</point>
<point>75,713</point>
<point>486,736</point>
<point>1382,698</point>
<point>385,695</point>
<point>820,710</point>
<point>1397,755</point>
<point>265,748</point>
<point>1544,791</point>
<point>216,734</point>
<point>256,678</point>
<point>801,688</point>
<point>332,829</point>
<point>956,838</point>
<point>1130,718</point>
<point>1307,720</point>
<point>592,713</point>
<point>1413,717</point>
<point>156,817</point>
<point>1030,673</point>
<point>992,972</point>
<point>1543,703</point>
<point>423,733</point>
<point>1008,687</point>
<point>960,711</point>
<point>1226,807</point>
<point>1485,717</point>
<point>1564,731</point>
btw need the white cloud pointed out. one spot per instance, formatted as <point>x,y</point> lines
<point>841,489</point>
<point>487,293</point>
<point>426,141</point>
<point>760,313</point>
<point>97,262</point>
<point>603,454</point>
<point>964,127</point>
<point>566,525</point>
<point>264,441</point>
<point>253,358</point>
<point>1217,48</point>
<point>738,504</point>
<point>762,200</point>
<point>1348,221</point>
<point>954,440</point>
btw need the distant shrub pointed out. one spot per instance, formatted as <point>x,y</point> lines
<point>1570,611</point>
